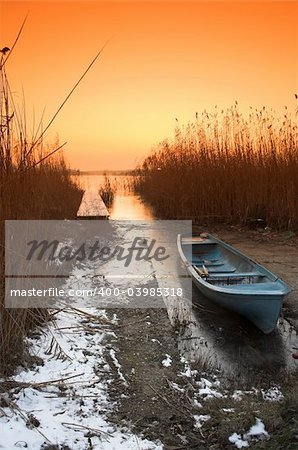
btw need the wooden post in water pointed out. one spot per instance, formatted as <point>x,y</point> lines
<point>92,206</point>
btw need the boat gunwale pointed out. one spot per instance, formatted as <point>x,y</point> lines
<point>226,290</point>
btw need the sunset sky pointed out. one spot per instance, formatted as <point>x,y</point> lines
<point>162,61</point>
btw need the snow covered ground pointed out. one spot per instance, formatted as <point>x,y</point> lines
<point>65,401</point>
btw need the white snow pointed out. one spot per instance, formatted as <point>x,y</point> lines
<point>176,386</point>
<point>272,394</point>
<point>256,432</point>
<point>239,394</point>
<point>238,441</point>
<point>118,366</point>
<point>209,389</point>
<point>187,369</point>
<point>68,395</point>
<point>196,404</point>
<point>200,419</point>
<point>167,362</point>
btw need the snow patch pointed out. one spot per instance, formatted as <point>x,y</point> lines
<point>238,394</point>
<point>209,389</point>
<point>238,441</point>
<point>257,430</point>
<point>66,399</point>
<point>176,387</point>
<point>255,433</point>
<point>200,419</point>
<point>196,404</point>
<point>272,394</point>
<point>118,366</point>
<point>167,362</point>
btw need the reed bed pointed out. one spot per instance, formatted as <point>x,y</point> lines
<point>107,191</point>
<point>35,183</point>
<point>226,167</point>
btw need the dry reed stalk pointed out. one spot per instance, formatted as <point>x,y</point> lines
<point>35,183</point>
<point>226,165</point>
<point>108,191</point>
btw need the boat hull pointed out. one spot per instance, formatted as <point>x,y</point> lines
<point>234,281</point>
<point>254,308</point>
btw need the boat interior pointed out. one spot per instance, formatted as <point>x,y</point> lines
<point>220,266</point>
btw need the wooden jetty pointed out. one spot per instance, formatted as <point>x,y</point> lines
<point>92,206</point>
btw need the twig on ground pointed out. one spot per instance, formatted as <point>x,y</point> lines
<point>79,426</point>
<point>24,385</point>
<point>14,407</point>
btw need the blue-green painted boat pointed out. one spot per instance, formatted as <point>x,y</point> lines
<point>231,279</point>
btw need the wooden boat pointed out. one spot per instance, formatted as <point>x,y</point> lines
<point>229,278</point>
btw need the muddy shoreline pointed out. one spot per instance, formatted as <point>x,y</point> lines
<point>147,401</point>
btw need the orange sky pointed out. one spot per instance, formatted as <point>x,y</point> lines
<point>164,60</point>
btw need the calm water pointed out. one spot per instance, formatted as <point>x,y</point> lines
<point>126,206</point>
<point>218,338</point>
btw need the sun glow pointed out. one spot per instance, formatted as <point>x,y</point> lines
<point>163,61</point>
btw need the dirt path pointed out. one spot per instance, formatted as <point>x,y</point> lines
<point>155,400</point>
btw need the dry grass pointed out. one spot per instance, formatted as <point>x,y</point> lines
<point>228,168</point>
<point>108,191</point>
<point>34,184</point>
<point>279,418</point>
<point>44,192</point>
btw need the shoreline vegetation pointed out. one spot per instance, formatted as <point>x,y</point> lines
<point>35,184</point>
<point>108,190</point>
<point>30,193</point>
<point>225,168</point>
<point>107,173</point>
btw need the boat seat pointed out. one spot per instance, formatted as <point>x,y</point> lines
<point>226,272</point>
<point>237,274</point>
<point>211,265</point>
<point>223,271</point>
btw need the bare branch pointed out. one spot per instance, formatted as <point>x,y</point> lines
<point>47,156</point>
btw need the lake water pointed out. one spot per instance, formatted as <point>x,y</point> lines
<point>126,206</point>
<point>213,336</point>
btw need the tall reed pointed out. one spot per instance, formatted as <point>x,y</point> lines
<point>107,191</point>
<point>224,166</point>
<point>35,183</point>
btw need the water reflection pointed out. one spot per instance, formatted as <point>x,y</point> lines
<point>126,205</point>
<point>129,207</point>
<point>226,341</point>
